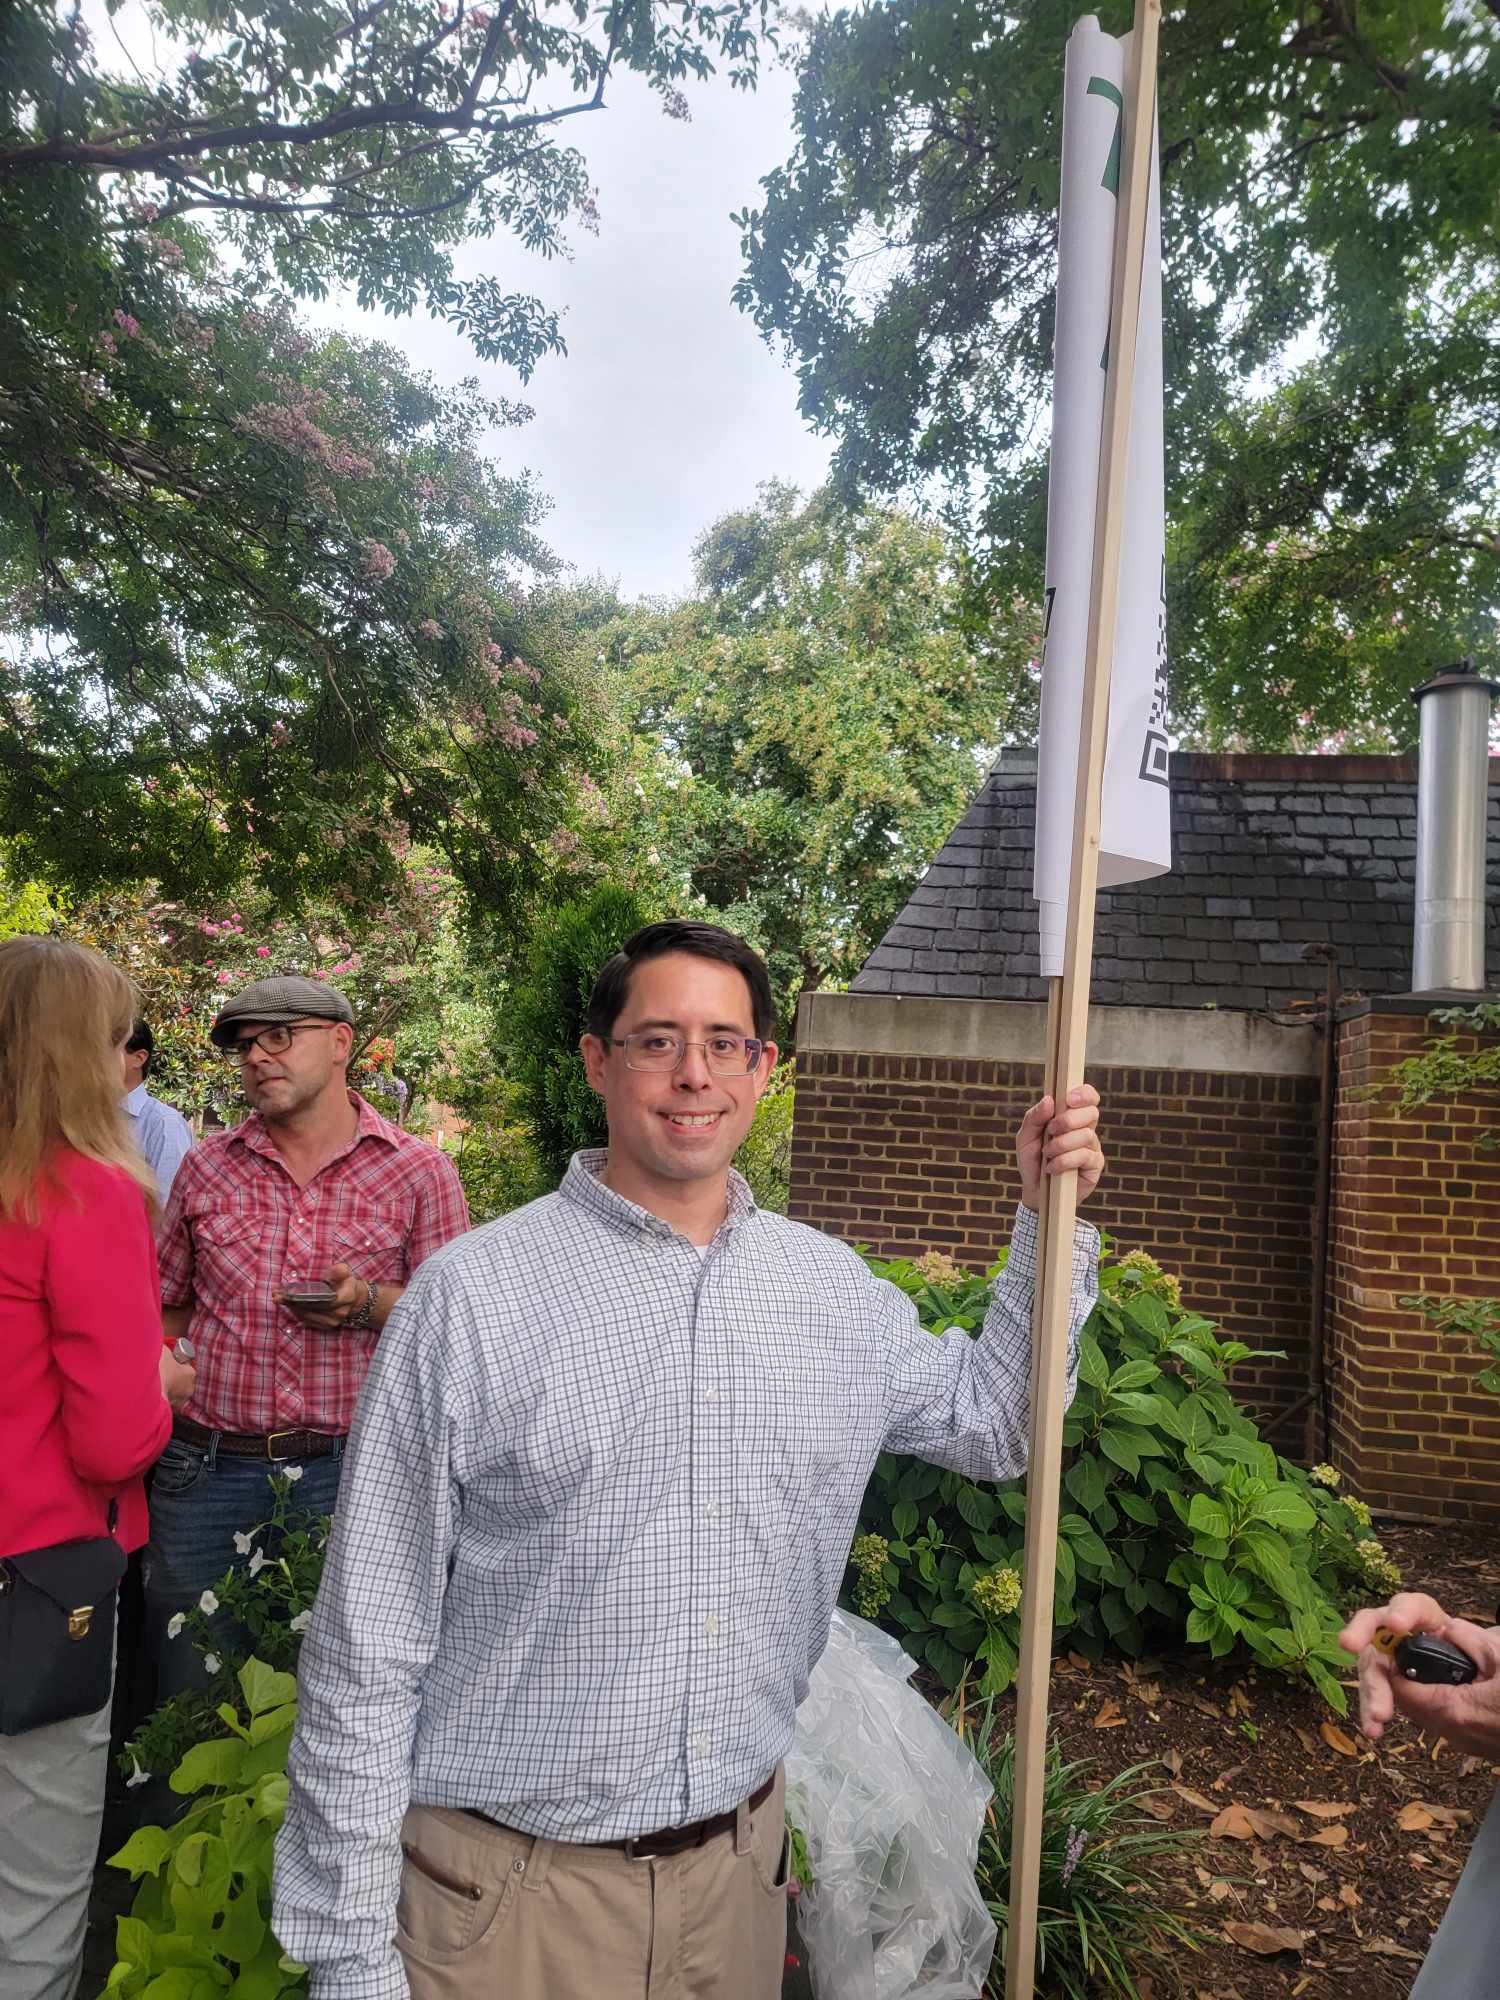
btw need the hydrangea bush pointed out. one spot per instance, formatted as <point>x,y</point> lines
<point>1179,1525</point>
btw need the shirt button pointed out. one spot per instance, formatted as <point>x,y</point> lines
<point>711,1396</point>
<point>712,1510</point>
<point>699,1746</point>
<point>711,1624</point>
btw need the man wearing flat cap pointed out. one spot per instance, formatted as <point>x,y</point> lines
<point>285,1245</point>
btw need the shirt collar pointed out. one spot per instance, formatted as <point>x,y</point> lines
<point>252,1133</point>
<point>583,1184</point>
<point>135,1101</point>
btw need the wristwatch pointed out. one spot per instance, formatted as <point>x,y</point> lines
<point>363,1315</point>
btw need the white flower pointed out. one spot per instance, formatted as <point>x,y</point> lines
<point>257,1562</point>
<point>212,1662</point>
<point>208,1602</point>
<point>292,1472</point>
<point>243,1544</point>
<point>175,1624</point>
<point>302,1620</point>
<point>137,1775</point>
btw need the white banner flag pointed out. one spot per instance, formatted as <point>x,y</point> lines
<point>1135,828</point>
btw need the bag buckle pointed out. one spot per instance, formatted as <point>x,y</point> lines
<point>78,1621</point>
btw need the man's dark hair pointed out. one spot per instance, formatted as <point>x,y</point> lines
<point>141,1037</point>
<point>612,987</point>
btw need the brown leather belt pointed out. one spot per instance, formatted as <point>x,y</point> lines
<point>671,1839</point>
<point>274,1445</point>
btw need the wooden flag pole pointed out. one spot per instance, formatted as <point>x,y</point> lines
<point>1067,1018</point>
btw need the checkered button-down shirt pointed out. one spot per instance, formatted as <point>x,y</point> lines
<point>238,1230</point>
<point>593,1522</point>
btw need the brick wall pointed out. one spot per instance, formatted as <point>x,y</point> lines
<point>1415,1209</point>
<point>1210,1172</point>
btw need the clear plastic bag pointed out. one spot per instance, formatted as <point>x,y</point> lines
<point>891,1805</point>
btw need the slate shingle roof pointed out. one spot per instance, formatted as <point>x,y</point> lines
<point>1269,854</point>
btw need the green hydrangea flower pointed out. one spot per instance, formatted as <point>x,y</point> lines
<point>1324,1475</point>
<point>997,1592</point>
<point>868,1554</point>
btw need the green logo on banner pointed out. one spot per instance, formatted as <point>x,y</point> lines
<point>1100,86</point>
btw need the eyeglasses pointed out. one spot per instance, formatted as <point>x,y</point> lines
<point>275,1041</point>
<point>724,1055</point>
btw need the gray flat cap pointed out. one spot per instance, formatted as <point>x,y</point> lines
<point>280,999</point>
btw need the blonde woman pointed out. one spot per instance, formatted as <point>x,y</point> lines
<point>84,1412</point>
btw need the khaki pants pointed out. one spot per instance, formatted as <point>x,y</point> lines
<point>486,1914</point>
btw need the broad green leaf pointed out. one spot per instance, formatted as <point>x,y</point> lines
<point>904,1518</point>
<point>1207,1517</point>
<point>1286,1509</point>
<point>1093,1369</point>
<point>1085,1482</point>
<point>144,1852</point>
<point>1133,1375</point>
<point>976,1507</point>
<point>264,1688</point>
<point>1147,1312</point>
<point>216,1762</point>
<point>1139,1508</point>
<point>1118,1448</point>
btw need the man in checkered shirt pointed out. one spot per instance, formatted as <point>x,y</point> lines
<point>313,1186</point>
<point>598,1507</point>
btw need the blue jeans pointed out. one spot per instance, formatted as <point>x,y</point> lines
<point>201,1498</point>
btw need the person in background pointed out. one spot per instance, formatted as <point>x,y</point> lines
<point>314,1189</point>
<point>1463,1960</point>
<point>161,1134</point>
<point>85,1410</point>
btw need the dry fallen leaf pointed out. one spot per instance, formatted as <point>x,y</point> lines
<point>1234,1823</point>
<point>1325,1808</point>
<point>1265,1939</point>
<point>1448,1815</point>
<point>1306,1741</point>
<point>1348,1895</point>
<point>1077,1660</point>
<point>1414,1818</point>
<point>1218,1890</point>
<point>1108,1716</point>
<point>1157,1804</point>
<point>1173,1760</point>
<point>1327,1836</point>
<point>1206,1707</point>
<point>1195,1799</point>
<point>1388,1948</point>
<point>1335,1738</point>
<point>1311,1874</point>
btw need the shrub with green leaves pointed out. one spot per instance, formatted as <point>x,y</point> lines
<point>1178,1524</point>
<point>544,1016</point>
<point>1100,1922</point>
<point>201,1919</point>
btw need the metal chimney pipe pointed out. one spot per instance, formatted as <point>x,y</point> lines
<point>1452,799</point>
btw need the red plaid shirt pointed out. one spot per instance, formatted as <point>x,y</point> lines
<point>238,1230</point>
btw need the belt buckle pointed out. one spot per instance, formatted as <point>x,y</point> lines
<point>281,1457</point>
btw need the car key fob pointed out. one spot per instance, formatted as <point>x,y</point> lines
<point>1433,1662</point>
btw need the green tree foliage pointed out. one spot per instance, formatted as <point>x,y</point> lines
<point>1333,369</point>
<point>335,146</point>
<point>810,726</point>
<point>543,1017</point>
<point>266,608</point>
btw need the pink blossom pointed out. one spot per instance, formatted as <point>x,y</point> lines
<point>379,562</point>
<point>426,490</point>
<point>128,324</point>
<point>431,629</point>
<point>107,342</point>
<point>168,249</point>
<point>226,978</point>
<point>262,951</point>
<point>514,737</point>
<point>279,733</point>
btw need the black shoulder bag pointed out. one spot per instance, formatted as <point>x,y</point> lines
<point>57,1631</point>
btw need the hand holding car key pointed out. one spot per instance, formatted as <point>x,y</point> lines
<point>1421,1665</point>
<point>1421,1656</point>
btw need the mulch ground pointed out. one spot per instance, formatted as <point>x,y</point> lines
<point>1292,1903</point>
<point>1355,1888</point>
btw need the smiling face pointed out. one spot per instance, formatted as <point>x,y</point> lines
<point>676,1129</point>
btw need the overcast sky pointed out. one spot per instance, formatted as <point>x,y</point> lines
<point>668,408</point>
